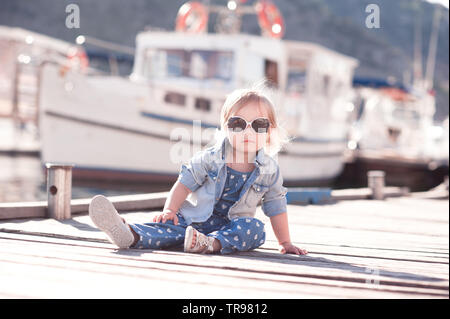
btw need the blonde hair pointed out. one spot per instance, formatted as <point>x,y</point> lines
<point>258,93</point>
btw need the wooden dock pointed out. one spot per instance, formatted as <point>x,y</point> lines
<point>396,248</point>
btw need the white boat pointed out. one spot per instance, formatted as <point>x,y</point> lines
<point>390,118</point>
<point>124,128</point>
<point>394,131</point>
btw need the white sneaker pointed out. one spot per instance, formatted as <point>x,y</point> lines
<point>107,219</point>
<point>203,244</point>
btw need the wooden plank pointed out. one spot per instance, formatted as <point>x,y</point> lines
<point>80,206</point>
<point>157,200</point>
<point>89,282</point>
<point>386,220</point>
<point>309,225</point>
<point>337,260</point>
<point>366,193</point>
<point>175,273</point>
<point>334,238</point>
<point>352,245</point>
<point>263,261</point>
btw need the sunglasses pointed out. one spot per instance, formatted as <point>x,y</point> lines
<point>238,124</point>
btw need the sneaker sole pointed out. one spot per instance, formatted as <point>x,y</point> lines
<point>107,219</point>
<point>188,238</point>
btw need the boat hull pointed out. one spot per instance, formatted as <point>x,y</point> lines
<point>102,152</point>
<point>417,175</point>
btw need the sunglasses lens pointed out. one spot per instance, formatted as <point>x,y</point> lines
<point>236,124</point>
<point>261,125</point>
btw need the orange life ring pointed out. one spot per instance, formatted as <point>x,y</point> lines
<point>270,19</point>
<point>192,17</point>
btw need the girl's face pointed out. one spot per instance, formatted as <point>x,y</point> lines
<point>248,140</point>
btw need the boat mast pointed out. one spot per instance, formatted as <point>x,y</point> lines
<point>417,65</point>
<point>431,60</point>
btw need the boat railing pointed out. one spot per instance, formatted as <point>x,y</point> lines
<point>82,39</point>
<point>111,52</point>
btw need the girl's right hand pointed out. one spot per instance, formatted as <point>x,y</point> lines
<point>165,216</point>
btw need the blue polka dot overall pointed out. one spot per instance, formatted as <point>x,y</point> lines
<point>238,234</point>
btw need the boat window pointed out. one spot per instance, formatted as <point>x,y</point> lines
<point>197,64</point>
<point>110,62</point>
<point>175,98</point>
<point>176,63</point>
<point>202,104</point>
<point>297,77</point>
<point>224,66</point>
<point>296,82</point>
<point>271,72</point>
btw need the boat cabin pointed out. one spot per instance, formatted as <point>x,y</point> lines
<point>215,64</point>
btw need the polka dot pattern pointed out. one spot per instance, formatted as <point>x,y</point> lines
<point>239,234</point>
<point>232,190</point>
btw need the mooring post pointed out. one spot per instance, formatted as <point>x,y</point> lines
<point>59,190</point>
<point>376,184</point>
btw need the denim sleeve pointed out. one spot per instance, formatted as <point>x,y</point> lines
<point>274,200</point>
<point>193,174</point>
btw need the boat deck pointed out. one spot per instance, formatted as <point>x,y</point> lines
<point>396,248</point>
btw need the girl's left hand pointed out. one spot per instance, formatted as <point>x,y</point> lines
<point>289,248</point>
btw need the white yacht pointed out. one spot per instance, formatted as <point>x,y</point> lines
<point>129,128</point>
<point>393,130</point>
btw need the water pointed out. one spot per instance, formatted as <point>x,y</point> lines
<point>22,179</point>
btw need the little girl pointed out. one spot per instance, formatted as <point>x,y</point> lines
<point>212,205</point>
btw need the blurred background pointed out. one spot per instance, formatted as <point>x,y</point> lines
<point>105,94</point>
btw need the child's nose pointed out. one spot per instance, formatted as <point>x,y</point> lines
<point>249,127</point>
<point>248,130</point>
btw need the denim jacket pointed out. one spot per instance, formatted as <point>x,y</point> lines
<point>205,176</point>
